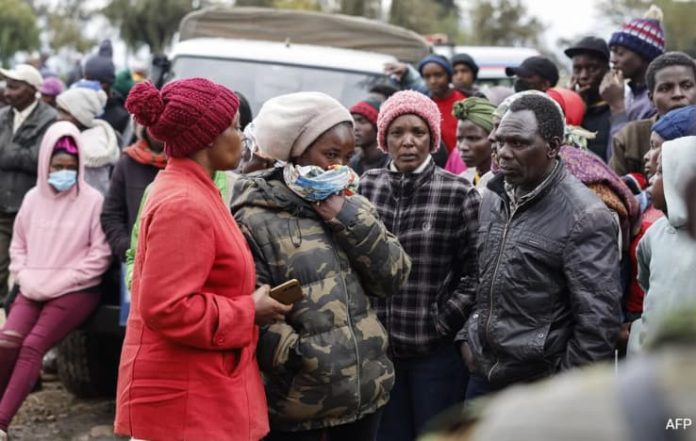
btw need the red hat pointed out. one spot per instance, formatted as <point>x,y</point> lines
<point>187,115</point>
<point>368,108</point>
<point>572,104</point>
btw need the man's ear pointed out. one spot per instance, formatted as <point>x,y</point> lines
<point>650,96</point>
<point>554,146</point>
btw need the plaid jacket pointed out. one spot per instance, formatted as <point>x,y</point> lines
<point>435,216</point>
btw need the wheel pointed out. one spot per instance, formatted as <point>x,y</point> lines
<point>88,363</point>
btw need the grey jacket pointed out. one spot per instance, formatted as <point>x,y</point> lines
<point>549,294</point>
<point>19,154</point>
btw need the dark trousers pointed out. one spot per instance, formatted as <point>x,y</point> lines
<point>6,224</point>
<point>478,386</point>
<point>364,429</point>
<point>425,386</point>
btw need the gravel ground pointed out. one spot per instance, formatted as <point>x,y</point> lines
<point>52,414</point>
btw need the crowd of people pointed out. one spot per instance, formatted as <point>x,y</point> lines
<point>451,241</point>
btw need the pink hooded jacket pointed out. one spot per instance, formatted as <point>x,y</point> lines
<point>58,246</point>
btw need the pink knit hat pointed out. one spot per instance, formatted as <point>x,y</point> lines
<point>187,115</point>
<point>409,102</point>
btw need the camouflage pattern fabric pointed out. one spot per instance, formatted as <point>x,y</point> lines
<point>326,364</point>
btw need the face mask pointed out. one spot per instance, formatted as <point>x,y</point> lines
<point>62,180</point>
<point>521,85</point>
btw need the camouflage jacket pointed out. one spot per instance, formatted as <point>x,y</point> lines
<point>327,363</point>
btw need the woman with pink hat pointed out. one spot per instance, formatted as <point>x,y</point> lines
<point>188,367</point>
<point>435,216</point>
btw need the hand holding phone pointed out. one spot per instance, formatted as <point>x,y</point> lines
<point>287,293</point>
<point>266,309</point>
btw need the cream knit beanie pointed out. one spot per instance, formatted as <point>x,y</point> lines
<point>288,124</point>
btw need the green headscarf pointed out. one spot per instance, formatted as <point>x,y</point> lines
<point>123,82</point>
<point>477,110</point>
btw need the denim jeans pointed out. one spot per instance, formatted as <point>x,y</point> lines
<point>424,387</point>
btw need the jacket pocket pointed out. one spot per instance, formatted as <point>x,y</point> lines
<point>474,342</point>
<point>234,361</point>
<point>534,349</point>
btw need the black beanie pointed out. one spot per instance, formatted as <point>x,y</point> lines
<point>465,59</point>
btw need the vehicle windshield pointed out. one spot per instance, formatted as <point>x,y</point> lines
<point>258,81</point>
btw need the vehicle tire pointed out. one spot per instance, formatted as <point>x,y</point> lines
<point>88,364</point>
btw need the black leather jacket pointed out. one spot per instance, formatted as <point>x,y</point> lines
<point>549,290</point>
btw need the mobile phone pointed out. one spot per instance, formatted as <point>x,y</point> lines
<point>288,292</point>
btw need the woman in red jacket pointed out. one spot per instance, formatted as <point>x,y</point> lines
<point>188,369</point>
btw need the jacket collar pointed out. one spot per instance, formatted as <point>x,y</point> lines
<point>497,185</point>
<point>415,179</point>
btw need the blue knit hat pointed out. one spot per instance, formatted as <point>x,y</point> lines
<point>676,123</point>
<point>643,36</point>
<point>437,59</point>
<point>100,66</point>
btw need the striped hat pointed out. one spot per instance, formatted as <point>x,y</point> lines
<point>643,36</point>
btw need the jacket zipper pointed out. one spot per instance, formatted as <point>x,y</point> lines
<point>490,294</point>
<point>397,228</point>
<point>350,324</point>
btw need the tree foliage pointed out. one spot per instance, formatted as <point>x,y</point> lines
<point>18,29</point>
<point>426,16</point>
<point>361,8</point>
<point>151,23</point>
<point>502,23</point>
<point>677,23</point>
<point>64,22</point>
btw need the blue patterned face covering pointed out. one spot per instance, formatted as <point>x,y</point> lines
<point>62,180</point>
<point>314,184</point>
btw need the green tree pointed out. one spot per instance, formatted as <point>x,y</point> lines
<point>425,16</point>
<point>677,19</point>
<point>18,29</point>
<point>150,23</point>
<point>504,23</point>
<point>263,3</point>
<point>361,8</point>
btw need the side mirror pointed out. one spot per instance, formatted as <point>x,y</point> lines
<point>159,70</point>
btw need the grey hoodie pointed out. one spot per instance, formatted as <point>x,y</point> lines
<point>666,254</point>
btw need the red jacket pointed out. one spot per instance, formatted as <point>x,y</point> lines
<point>448,125</point>
<point>188,369</point>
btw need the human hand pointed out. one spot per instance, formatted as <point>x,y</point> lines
<point>577,88</point>
<point>329,208</point>
<point>267,309</point>
<point>612,90</point>
<point>467,356</point>
<point>398,70</point>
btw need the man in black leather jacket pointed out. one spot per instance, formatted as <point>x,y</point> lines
<point>549,292</point>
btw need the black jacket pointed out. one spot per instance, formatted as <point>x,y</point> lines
<point>598,119</point>
<point>122,202</point>
<point>549,294</point>
<point>19,154</point>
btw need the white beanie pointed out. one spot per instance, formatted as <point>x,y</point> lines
<point>288,124</point>
<point>84,104</point>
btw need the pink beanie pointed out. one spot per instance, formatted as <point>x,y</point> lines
<point>187,115</point>
<point>409,102</point>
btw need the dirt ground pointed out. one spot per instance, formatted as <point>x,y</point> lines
<point>52,414</point>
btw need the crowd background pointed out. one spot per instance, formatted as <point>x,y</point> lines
<point>452,242</point>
